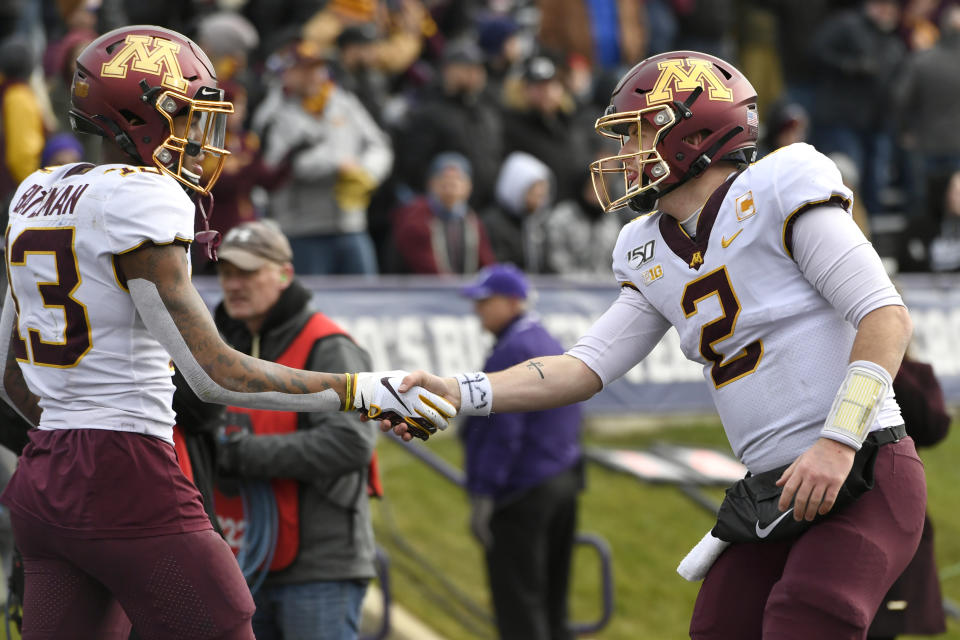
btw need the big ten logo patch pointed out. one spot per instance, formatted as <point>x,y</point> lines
<point>653,273</point>
<point>639,256</point>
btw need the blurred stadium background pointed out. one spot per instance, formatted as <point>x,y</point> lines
<point>894,130</point>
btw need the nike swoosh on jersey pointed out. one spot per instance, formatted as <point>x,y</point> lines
<point>725,242</point>
<point>763,532</point>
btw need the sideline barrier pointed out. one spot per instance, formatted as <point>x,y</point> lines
<point>604,554</point>
<point>686,468</point>
<point>423,323</point>
<point>382,561</point>
<point>455,476</point>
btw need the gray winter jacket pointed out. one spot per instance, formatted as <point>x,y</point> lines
<point>307,204</point>
<point>328,454</point>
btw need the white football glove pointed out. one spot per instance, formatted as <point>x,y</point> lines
<point>375,395</point>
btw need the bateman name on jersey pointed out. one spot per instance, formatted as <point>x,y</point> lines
<point>56,201</point>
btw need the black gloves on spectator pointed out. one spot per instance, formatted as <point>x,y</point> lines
<point>228,453</point>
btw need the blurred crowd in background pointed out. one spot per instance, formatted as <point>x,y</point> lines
<point>441,136</point>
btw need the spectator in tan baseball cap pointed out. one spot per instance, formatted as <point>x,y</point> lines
<point>324,555</point>
<point>255,269</point>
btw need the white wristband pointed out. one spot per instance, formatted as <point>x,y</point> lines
<point>476,394</point>
<point>857,403</point>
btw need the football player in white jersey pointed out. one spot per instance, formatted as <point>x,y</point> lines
<point>100,300</point>
<point>776,292</point>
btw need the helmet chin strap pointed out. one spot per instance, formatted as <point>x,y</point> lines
<point>645,201</point>
<point>210,238</point>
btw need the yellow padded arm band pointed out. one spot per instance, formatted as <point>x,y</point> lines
<point>857,403</point>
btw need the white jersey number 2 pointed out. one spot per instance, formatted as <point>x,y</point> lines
<point>717,283</point>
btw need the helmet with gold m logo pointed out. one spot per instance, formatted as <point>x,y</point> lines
<point>154,93</point>
<point>686,110</point>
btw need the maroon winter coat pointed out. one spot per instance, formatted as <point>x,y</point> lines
<point>421,244</point>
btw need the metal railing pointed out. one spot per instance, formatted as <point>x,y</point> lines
<point>382,562</point>
<point>597,543</point>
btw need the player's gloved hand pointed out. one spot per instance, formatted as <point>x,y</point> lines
<point>375,395</point>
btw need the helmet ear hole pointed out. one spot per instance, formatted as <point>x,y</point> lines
<point>131,118</point>
<point>696,138</point>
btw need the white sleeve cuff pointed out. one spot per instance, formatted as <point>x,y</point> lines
<point>476,394</point>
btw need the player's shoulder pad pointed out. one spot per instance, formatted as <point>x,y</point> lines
<point>633,230</point>
<point>133,187</point>
<point>796,177</point>
<point>637,245</point>
<point>56,172</point>
<point>141,204</point>
<point>148,177</point>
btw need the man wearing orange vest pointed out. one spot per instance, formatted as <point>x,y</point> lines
<point>316,463</point>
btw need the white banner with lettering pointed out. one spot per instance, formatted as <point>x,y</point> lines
<point>423,323</point>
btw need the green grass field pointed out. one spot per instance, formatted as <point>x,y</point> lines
<point>649,529</point>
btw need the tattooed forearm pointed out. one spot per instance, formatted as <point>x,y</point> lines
<point>232,370</point>
<point>537,366</point>
<point>239,372</point>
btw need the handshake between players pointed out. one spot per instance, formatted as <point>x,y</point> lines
<point>414,412</point>
<point>416,405</point>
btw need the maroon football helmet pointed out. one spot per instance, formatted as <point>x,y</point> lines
<point>665,101</point>
<point>154,93</point>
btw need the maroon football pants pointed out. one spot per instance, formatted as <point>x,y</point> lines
<point>828,582</point>
<point>185,586</point>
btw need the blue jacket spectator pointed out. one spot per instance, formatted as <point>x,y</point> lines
<point>506,452</point>
<point>523,485</point>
